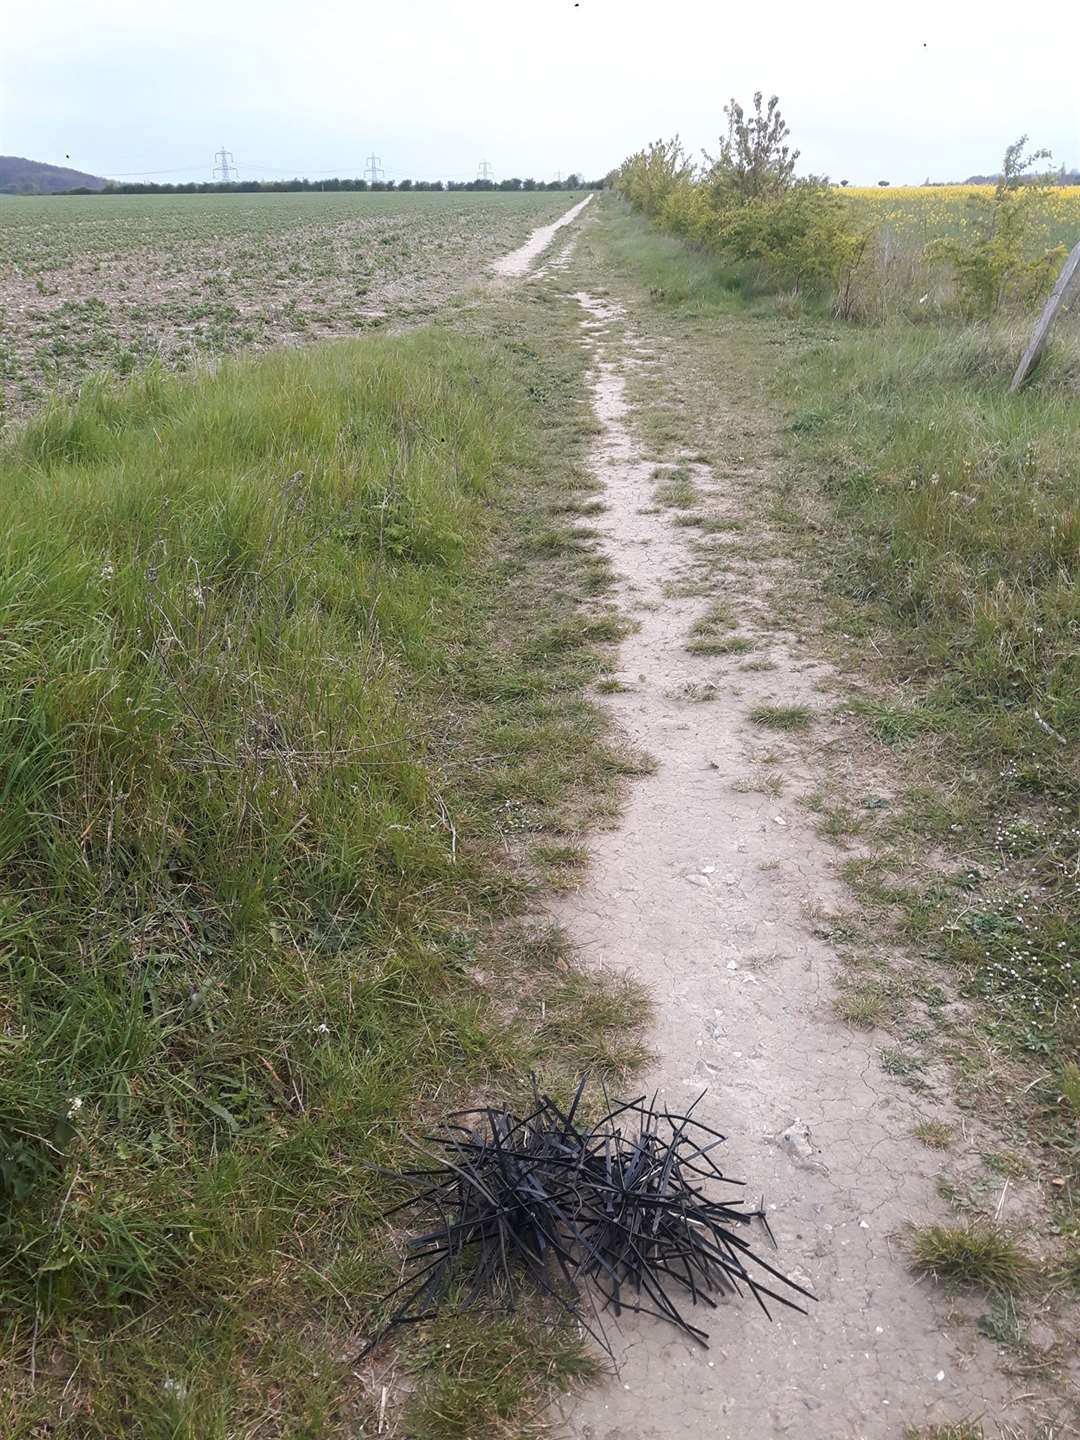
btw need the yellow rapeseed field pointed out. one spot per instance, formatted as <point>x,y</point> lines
<point>918,213</point>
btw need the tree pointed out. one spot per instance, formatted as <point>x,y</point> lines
<point>1016,164</point>
<point>755,160</point>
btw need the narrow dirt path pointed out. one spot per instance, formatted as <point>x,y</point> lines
<point>518,261</point>
<point>711,891</point>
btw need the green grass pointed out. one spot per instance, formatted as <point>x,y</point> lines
<point>954,511</point>
<point>861,1007</point>
<point>672,276</point>
<point>282,669</point>
<point>981,1254</point>
<point>563,866</point>
<point>468,1388</point>
<point>676,488</point>
<point>710,633</point>
<point>782,717</point>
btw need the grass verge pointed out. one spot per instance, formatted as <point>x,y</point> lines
<point>290,670</point>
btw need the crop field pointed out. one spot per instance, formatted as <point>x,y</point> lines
<point>913,215</point>
<point>90,282</point>
<point>899,277</point>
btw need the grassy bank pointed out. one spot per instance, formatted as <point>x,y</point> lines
<point>293,669</point>
<point>954,510</point>
<point>933,520</point>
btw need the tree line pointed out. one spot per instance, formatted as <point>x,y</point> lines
<point>337,183</point>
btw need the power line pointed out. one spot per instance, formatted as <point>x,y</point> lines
<point>224,167</point>
<point>137,174</point>
<point>485,170</point>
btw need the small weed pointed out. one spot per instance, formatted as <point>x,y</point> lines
<point>891,724</point>
<point>974,1254</point>
<point>594,1020</point>
<point>934,1134</point>
<point>1007,1162</point>
<point>1069,1088</point>
<point>901,1064</point>
<point>625,760</point>
<point>720,524</point>
<point>1067,1271</point>
<point>839,822</point>
<point>863,1009</point>
<point>1004,1324</point>
<point>708,633</point>
<point>760,784</point>
<point>698,693</point>
<point>574,506</point>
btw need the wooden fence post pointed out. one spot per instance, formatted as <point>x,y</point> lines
<point>1050,311</point>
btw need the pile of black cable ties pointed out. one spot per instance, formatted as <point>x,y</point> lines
<point>545,1204</point>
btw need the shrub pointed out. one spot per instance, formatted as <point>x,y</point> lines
<point>648,177</point>
<point>801,237</point>
<point>747,204</point>
<point>997,263</point>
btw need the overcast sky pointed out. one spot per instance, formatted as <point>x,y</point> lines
<point>899,92</point>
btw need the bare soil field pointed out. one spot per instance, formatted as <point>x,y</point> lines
<point>90,282</point>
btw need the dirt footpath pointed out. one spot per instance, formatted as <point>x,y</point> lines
<point>712,891</point>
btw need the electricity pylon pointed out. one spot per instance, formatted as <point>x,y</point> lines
<point>224,166</point>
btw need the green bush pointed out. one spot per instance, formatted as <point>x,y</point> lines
<point>997,263</point>
<point>747,205</point>
<point>801,237</point>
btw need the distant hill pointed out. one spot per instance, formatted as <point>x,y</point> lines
<point>33,177</point>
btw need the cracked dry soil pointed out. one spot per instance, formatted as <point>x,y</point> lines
<point>707,892</point>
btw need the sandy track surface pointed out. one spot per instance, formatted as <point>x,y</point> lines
<point>518,261</point>
<point>714,896</point>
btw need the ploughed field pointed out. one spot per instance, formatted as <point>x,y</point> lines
<point>111,282</point>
